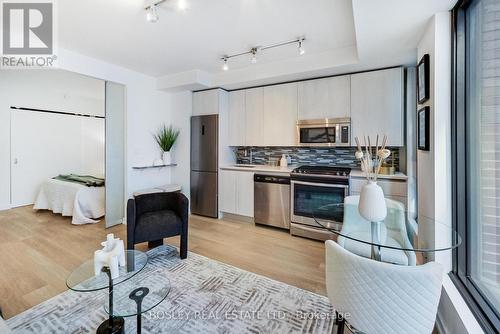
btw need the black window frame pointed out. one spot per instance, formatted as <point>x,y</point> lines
<point>484,312</point>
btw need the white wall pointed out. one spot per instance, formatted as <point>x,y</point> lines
<point>434,170</point>
<point>181,106</point>
<point>147,109</point>
<point>82,147</point>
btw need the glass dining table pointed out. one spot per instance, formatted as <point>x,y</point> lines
<point>401,238</point>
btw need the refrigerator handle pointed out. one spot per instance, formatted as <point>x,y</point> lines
<point>203,130</point>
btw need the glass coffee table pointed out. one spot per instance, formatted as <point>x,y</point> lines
<point>132,293</point>
<point>397,239</point>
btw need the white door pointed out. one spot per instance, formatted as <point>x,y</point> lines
<point>115,153</point>
<point>324,98</point>
<point>237,124</point>
<point>206,102</point>
<point>254,116</point>
<point>244,193</point>
<point>377,105</point>
<point>280,115</point>
<point>227,195</point>
<point>43,145</point>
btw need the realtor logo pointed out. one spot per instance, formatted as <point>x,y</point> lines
<point>28,34</point>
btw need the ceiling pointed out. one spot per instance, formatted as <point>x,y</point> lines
<point>183,48</point>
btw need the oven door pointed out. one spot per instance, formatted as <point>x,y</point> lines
<point>308,196</point>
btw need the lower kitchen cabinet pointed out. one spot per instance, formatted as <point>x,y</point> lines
<point>236,192</point>
<point>393,189</point>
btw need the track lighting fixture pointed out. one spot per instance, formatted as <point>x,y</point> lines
<point>301,47</point>
<point>152,14</point>
<point>225,66</point>
<point>152,9</point>
<point>257,49</point>
<point>254,55</point>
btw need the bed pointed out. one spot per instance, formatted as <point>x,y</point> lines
<point>84,203</point>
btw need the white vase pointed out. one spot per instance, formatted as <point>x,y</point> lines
<point>372,204</point>
<point>167,158</point>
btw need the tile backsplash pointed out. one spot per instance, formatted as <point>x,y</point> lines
<point>339,156</point>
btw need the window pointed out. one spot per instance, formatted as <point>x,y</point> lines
<point>476,146</point>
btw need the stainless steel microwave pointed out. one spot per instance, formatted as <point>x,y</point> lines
<point>324,132</point>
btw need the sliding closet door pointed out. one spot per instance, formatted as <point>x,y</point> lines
<point>115,153</point>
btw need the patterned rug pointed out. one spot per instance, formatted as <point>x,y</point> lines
<point>206,296</point>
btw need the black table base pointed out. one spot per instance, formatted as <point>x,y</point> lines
<point>115,326</point>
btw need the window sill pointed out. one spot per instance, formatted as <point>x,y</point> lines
<point>460,308</point>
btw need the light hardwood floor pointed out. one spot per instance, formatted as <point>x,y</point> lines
<point>39,249</point>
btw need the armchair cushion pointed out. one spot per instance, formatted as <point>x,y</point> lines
<point>152,225</point>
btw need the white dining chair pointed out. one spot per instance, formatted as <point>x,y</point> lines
<point>393,232</point>
<point>376,297</point>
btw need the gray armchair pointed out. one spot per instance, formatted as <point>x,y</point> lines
<point>152,217</point>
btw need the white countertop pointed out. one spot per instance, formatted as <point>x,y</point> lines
<point>356,173</point>
<point>260,168</point>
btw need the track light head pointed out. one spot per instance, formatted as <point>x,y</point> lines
<point>182,5</point>
<point>152,14</point>
<point>225,66</point>
<point>254,51</point>
<point>302,51</point>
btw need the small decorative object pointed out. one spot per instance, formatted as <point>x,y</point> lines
<point>158,162</point>
<point>166,137</point>
<point>423,129</point>
<point>372,204</point>
<point>283,161</point>
<point>423,79</point>
<point>112,256</point>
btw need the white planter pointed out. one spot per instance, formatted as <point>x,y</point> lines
<point>372,204</point>
<point>167,158</point>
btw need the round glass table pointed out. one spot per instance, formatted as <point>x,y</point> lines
<point>398,239</point>
<point>132,293</point>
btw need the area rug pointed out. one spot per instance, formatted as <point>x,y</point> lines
<point>205,296</point>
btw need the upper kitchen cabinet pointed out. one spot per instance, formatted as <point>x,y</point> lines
<point>206,102</point>
<point>237,118</point>
<point>280,115</point>
<point>377,105</point>
<point>325,98</point>
<point>254,117</point>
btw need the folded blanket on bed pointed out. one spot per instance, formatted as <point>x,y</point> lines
<point>86,180</point>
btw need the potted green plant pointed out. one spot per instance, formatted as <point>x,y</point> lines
<point>166,137</point>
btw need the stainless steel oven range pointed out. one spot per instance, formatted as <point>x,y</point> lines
<point>310,188</point>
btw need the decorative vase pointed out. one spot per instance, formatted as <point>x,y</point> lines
<point>372,204</point>
<point>167,158</point>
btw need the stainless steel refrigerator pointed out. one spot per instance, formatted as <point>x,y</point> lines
<point>204,165</point>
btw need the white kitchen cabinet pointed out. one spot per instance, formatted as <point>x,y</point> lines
<point>280,115</point>
<point>377,105</point>
<point>324,98</point>
<point>237,118</point>
<point>236,192</point>
<point>393,189</point>
<point>206,102</point>
<point>254,116</point>
<point>227,191</point>
<point>244,193</point>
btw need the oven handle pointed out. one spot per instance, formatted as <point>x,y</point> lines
<point>293,182</point>
<point>321,184</point>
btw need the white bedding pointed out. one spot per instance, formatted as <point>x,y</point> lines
<point>84,203</point>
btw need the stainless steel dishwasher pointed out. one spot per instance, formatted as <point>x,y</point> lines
<point>272,200</point>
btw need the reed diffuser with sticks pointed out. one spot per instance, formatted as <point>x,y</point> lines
<point>372,204</point>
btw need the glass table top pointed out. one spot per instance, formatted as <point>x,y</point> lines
<point>398,231</point>
<point>83,278</point>
<point>147,288</point>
